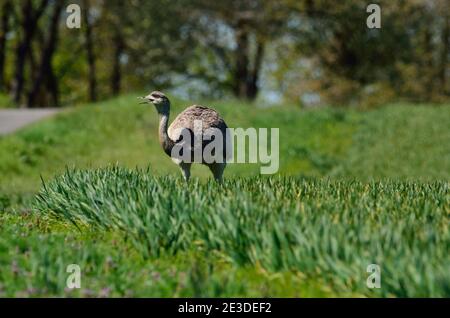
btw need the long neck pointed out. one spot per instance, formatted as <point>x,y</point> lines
<point>164,140</point>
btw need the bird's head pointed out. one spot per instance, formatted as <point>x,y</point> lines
<point>158,99</point>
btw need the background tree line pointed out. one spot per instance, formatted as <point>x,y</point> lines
<point>304,51</point>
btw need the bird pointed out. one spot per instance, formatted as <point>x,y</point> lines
<point>170,136</point>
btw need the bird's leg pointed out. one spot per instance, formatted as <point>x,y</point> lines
<point>186,170</point>
<point>217,170</point>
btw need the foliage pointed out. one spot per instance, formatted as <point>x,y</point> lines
<point>216,49</point>
<point>337,57</point>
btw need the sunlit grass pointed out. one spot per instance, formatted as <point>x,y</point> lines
<point>354,188</point>
<point>327,229</point>
<point>400,141</point>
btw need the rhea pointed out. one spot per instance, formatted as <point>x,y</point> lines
<point>169,136</point>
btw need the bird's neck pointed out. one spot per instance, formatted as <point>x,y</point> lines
<point>164,140</point>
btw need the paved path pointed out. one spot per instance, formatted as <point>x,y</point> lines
<point>13,119</point>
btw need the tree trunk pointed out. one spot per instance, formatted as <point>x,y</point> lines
<point>252,84</point>
<point>4,28</point>
<point>444,54</point>
<point>53,87</point>
<point>45,71</point>
<point>242,61</point>
<point>245,78</point>
<point>116,77</point>
<point>22,49</point>
<point>29,24</point>
<point>428,64</point>
<point>90,53</point>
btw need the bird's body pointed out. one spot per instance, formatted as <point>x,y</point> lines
<point>209,118</point>
<point>195,121</point>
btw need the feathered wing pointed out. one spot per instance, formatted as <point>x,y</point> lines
<point>186,120</point>
<point>208,117</point>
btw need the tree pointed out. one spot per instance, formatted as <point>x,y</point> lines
<point>118,44</point>
<point>45,71</point>
<point>213,48</point>
<point>28,24</point>
<point>6,10</point>
<point>252,24</point>
<point>91,58</point>
<point>151,43</point>
<point>352,63</point>
<point>445,47</point>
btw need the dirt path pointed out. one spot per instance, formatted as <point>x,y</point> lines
<point>13,119</point>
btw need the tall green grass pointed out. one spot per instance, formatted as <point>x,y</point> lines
<point>33,263</point>
<point>325,229</point>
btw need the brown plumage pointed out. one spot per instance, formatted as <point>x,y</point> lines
<point>185,123</point>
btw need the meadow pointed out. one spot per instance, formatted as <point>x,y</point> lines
<point>91,186</point>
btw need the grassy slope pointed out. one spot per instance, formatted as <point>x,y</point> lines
<point>395,142</point>
<point>399,142</point>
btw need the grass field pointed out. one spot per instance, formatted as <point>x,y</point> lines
<point>354,188</point>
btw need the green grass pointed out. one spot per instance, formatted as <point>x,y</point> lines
<point>327,229</point>
<point>401,141</point>
<point>354,188</point>
<point>33,264</point>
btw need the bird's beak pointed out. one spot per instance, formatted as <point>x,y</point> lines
<point>144,100</point>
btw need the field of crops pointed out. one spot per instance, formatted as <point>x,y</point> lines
<point>355,188</point>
